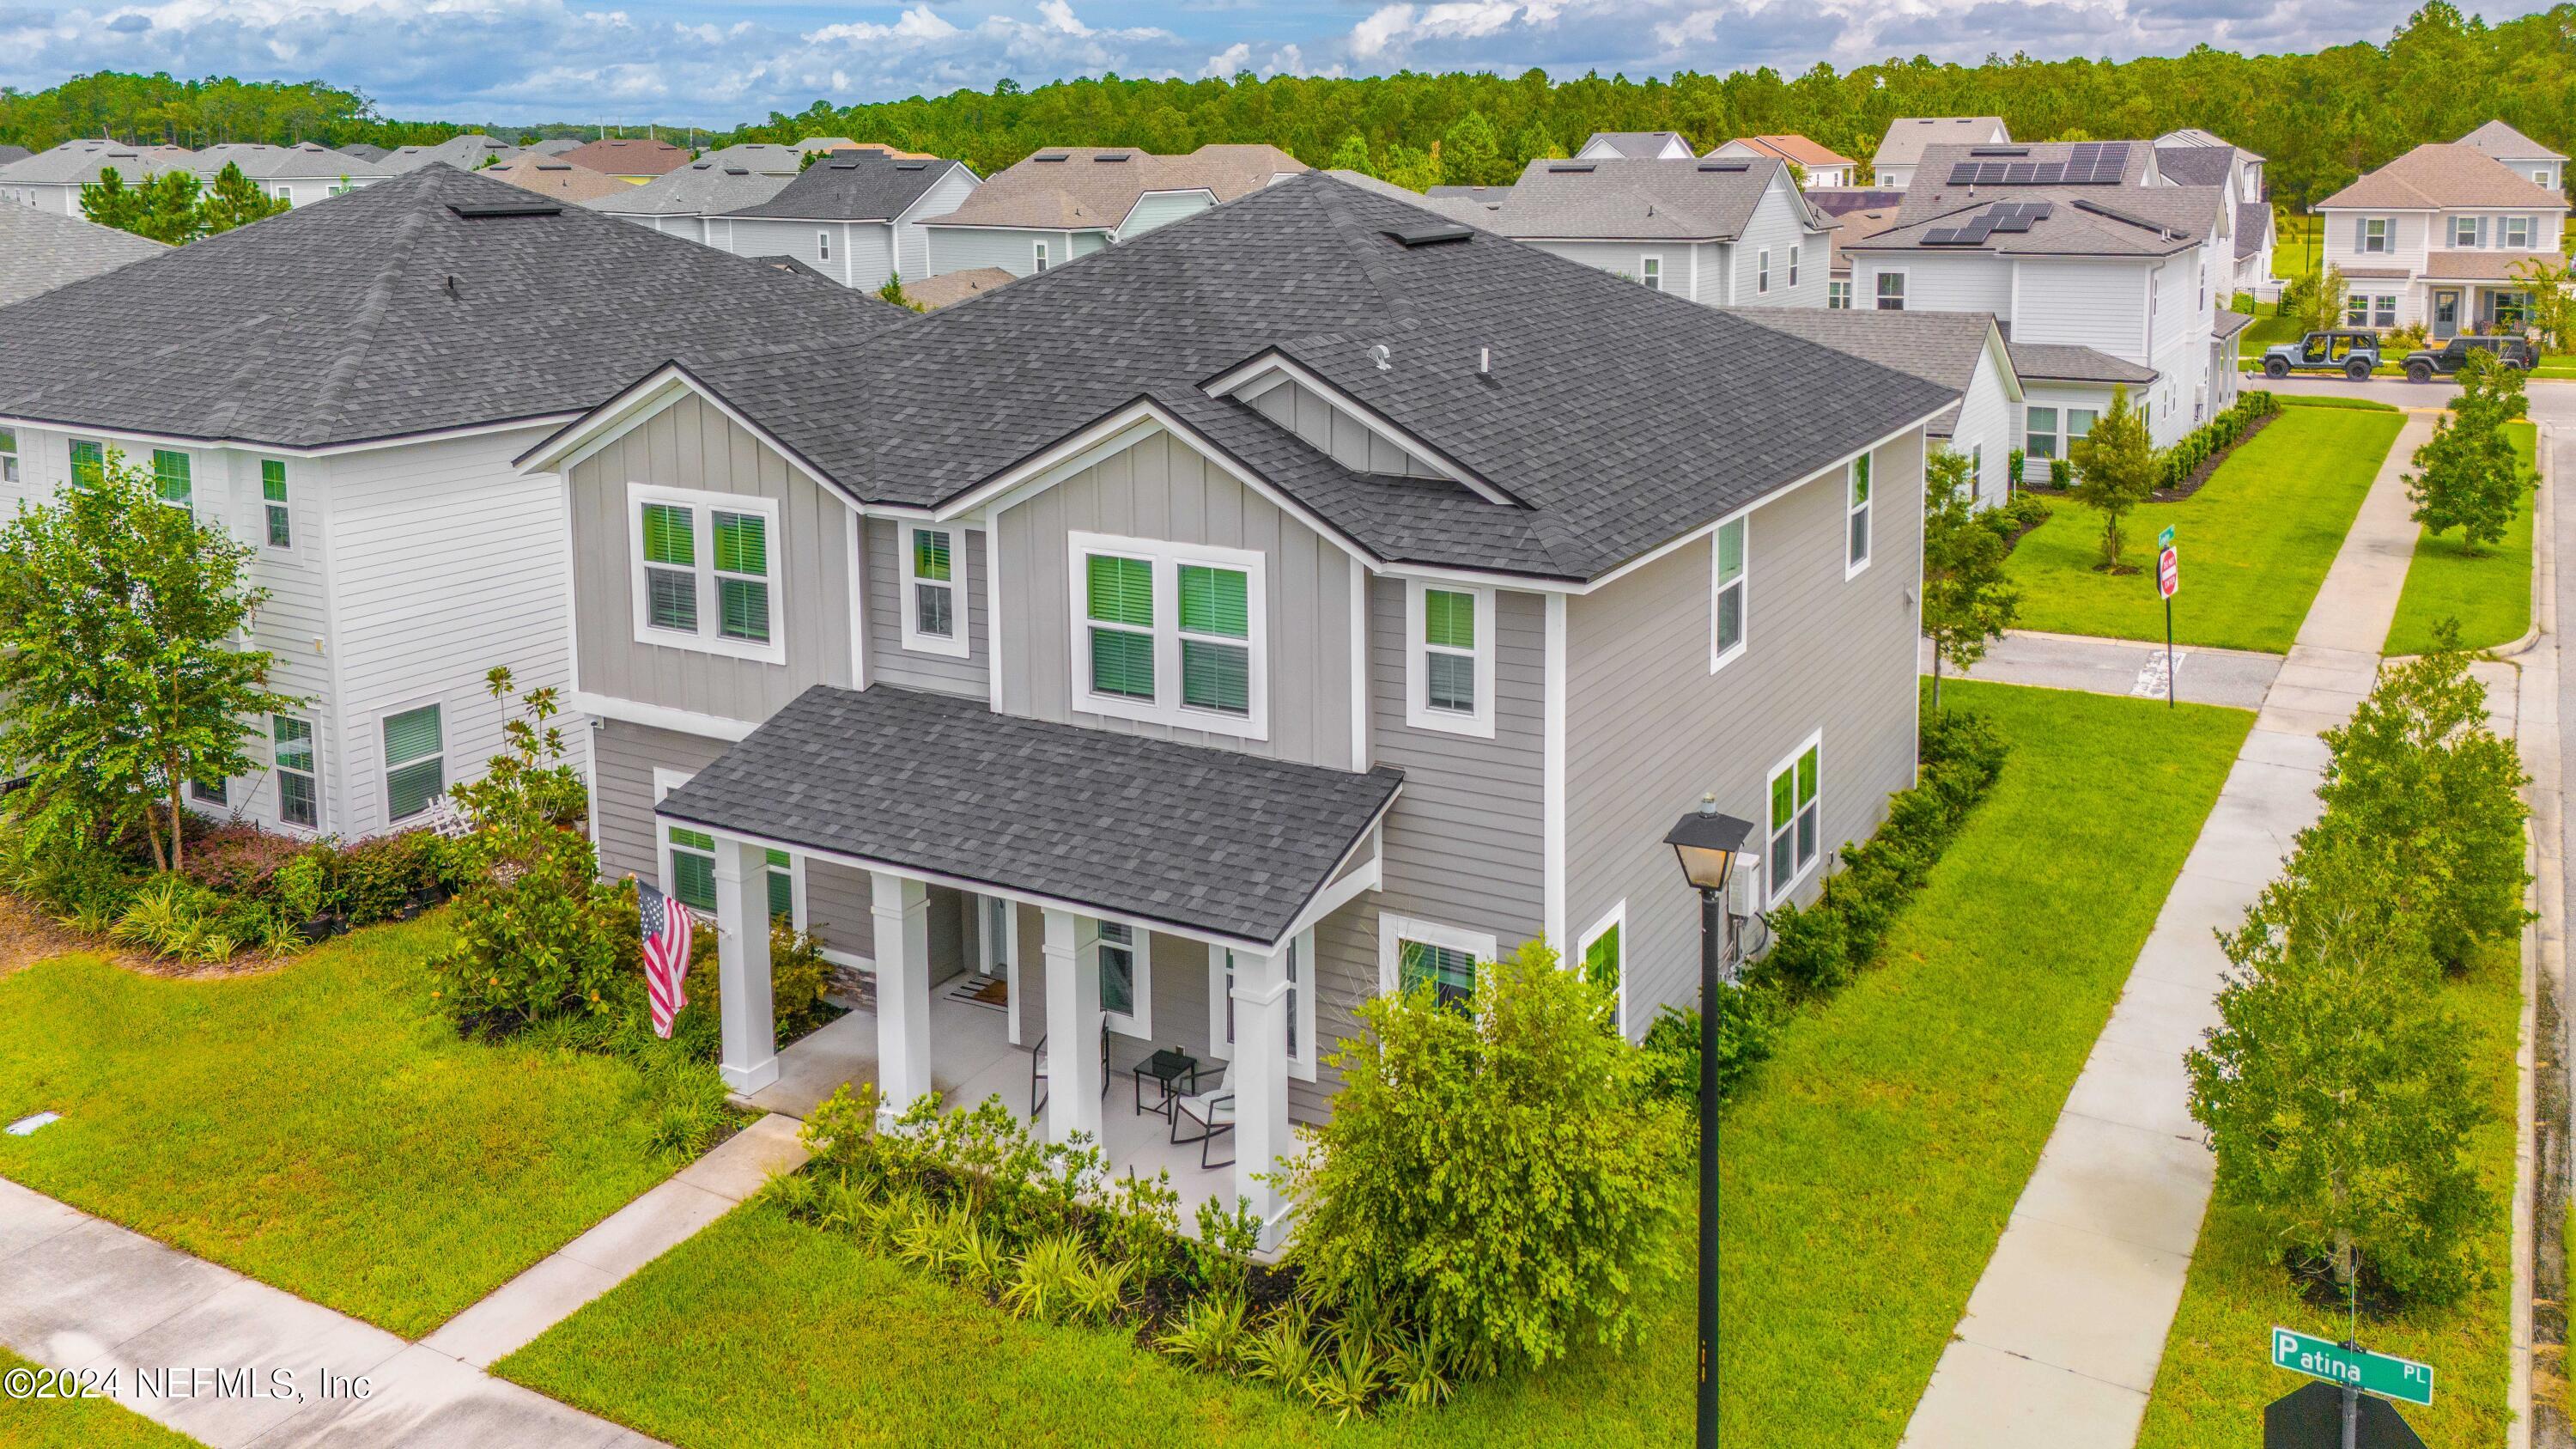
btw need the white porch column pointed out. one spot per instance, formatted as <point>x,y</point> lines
<point>1261,1132</point>
<point>742,966</point>
<point>1073,1026</point>
<point>902,910</point>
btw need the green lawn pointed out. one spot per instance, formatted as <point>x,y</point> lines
<point>2255,541</point>
<point>2330,400</point>
<point>2216,1374</point>
<point>99,1423</point>
<point>1869,1174</point>
<point>2267,328</point>
<point>2490,593</point>
<point>316,1127</point>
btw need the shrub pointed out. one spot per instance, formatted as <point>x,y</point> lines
<point>1748,1029</point>
<point>1284,1351</point>
<point>2061,473</point>
<point>1494,1175</point>
<point>1210,1336</point>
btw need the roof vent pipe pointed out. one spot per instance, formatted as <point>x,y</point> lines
<point>1484,362</point>
<point>1382,356</point>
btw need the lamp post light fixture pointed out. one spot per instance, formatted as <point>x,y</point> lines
<point>1709,845</point>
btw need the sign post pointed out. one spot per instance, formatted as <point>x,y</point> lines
<point>2168,581</point>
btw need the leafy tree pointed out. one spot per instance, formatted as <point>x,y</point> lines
<point>893,292</point>
<point>1966,601</point>
<point>2315,300</point>
<point>110,202</point>
<point>2466,475</point>
<point>2116,468</point>
<point>1351,155</point>
<point>1499,1178</point>
<point>2553,300</point>
<point>2336,1096</point>
<point>170,212</point>
<point>1471,155</point>
<point>235,200</point>
<point>1535,144</point>
<point>121,678</point>
<point>1409,168</point>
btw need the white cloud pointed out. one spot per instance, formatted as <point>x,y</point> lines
<point>1223,64</point>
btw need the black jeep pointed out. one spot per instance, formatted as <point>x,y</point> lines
<point>2424,365</point>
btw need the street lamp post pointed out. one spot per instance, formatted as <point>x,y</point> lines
<point>1707,844</point>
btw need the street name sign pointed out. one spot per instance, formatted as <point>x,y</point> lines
<point>2168,572</point>
<point>2373,1373</point>
<point>2164,540</point>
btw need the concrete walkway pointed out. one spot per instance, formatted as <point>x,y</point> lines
<point>2063,1334</point>
<point>80,1292</point>
<point>2236,678</point>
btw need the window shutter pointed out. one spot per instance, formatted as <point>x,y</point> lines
<point>1121,590</point>
<point>742,543</point>
<point>2360,230</point>
<point>411,735</point>
<point>1214,601</point>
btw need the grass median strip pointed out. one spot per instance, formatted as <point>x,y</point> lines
<point>2488,592</point>
<point>1842,1276</point>
<point>317,1127</point>
<point>2255,541</point>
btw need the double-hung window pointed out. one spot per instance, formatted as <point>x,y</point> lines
<point>1793,266</point>
<point>1977,470</point>
<point>704,570</point>
<point>693,869</point>
<point>1726,608</point>
<point>1449,664</point>
<point>89,462</point>
<point>299,796</point>
<point>1838,296</point>
<point>211,792</point>
<point>823,246</point>
<point>272,492</point>
<point>934,589</point>
<point>1650,270</point>
<point>2356,309</point>
<point>1126,978</point>
<point>1891,291</point>
<point>2464,231</point>
<point>1423,955</point>
<point>1794,828</point>
<point>1169,632</point>
<point>2515,232</point>
<point>2039,433</point>
<point>2383,310</point>
<point>1762,271</point>
<point>170,478</point>
<point>1602,957</point>
<point>1301,1005</point>
<point>8,455</point>
<point>1037,256</point>
<point>415,762</point>
<point>2371,234</point>
<point>1856,556</point>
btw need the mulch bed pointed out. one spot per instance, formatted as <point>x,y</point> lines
<point>28,935</point>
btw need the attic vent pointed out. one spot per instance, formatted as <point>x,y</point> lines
<point>1111,156</point>
<point>1726,166</point>
<point>1999,150</point>
<point>1050,156</point>
<point>493,210</point>
<point>554,166</point>
<point>910,165</point>
<point>1571,166</point>
<point>1429,234</point>
<point>2162,231</point>
<point>701,165</point>
<point>737,171</point>
<point>842,165</point>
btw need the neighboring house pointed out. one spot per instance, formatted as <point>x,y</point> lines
<point>293,174</point>
<point>557,177</point>
<point>1733,232</point>
<point>558,145</point>
<point>368,467</point>
<point>1303,602</point>
<point>633,159</point>
<point>2520,154</point>
<point>2065,390</point>
<point>1070,201</point>
<point>1850,227</point>
<point>1636,146</point>
<point>2193,157</point>
<point>2437,237</point>
<point>366,151</point>
<point>2074,245</point>
<point>949,288</point>
<point>1900,151</point>
<point>51,180</point>
<point>10,155</point>
<point>40,251</point>
<point>854,216</point>
<point>762,156</point>
<point>1820,165</point>
<point>826,143</point>
<point>469,152</point>
<point>681,202</point>
<point>1963,352</point>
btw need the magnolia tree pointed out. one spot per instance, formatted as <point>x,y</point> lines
<point>2466,475</point>
<point>1966,601</point>
<point>122,671</point>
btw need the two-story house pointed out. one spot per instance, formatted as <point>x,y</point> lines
<point>2079,248</point>
<point>51,180</point>
<point>343,388</point>
<point>1733,232</point>
<point>2194,157</point>
<point>1963,352</point>
<point>1302,602</point>
<point>2439,236</point>
<point>680,202</point>
<point>2520,154</point>
<point>293,174</point>
<point>854,216</point>
<point>1819,165</point>
<point>1900,151</point>
<point>1070,201</point>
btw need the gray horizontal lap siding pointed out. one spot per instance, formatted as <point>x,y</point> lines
<point>888,661</point>
<point>690,445</point>
<point>1649,729</point>
<point>1013,249</point>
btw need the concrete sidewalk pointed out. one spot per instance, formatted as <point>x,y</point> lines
<point>80,1292</point>
<point>2062,1337</point>
<point>2236,678</point>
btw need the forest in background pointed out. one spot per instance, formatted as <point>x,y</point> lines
<point>2320,119</point>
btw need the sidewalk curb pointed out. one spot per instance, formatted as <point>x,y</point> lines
<point>2544,546</point>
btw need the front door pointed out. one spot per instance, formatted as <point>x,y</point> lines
<point>2446,312</point>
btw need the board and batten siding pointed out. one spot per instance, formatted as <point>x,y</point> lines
<point>888,661</point>
<point>1305,412</point>
<point>691,445</point>
<point>1161,489</point>
<point>1649,729</point>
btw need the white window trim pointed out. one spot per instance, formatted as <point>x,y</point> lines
<point>385,766</point>
<point>259,490</point>
<point>1166,558</point>
<point>278,773</point>
<point>1650,270</point>
<point>1744,580</point>
<point>1417,712</point>
<point>1038,261</point>
<point>1878,294</point>
<point>2386,239</point>
<point>2505,227</point>
<point>1392,929</point>
<point>961,645</point>
<point>1854,507</point>
<point>1793,268</point>
<point>1780,890</point>
<point>13,465</point>
<point>1301,1063</point>
<point>823,245</point>
<point>1830,285</point>
<point>1618,916</point>
<point>703,507</point>
<point>1140,1022</point>
<point>664,782</point>
<point>1762,272</point>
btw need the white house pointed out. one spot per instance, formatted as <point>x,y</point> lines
<point>680,202</point>
<point>1901,149</point>
<point>1961,351</point>
<point>2079,246</point>
<point>1822,165</point>
<point>1070,201</point>
<point>854,216</point>
<point>2194,157</point>
<point>293,174</point>
<point>467,152</point>
<point>51,180</point>
<point>369,467</point>
<point>1636,146</point>
<point>2440,235</point>
<point>2520,154</point>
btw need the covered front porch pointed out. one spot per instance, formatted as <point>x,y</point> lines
<point>2452,306</point>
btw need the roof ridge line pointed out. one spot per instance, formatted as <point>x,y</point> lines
<point>370,319</point>
<point>1372,266</point>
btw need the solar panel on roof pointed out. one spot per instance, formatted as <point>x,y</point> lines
<point>1964,174</point>
<point>2019,173</point>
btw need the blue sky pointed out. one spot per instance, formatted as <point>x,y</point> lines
<point>709,63</point>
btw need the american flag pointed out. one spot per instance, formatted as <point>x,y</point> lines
<point>666,953</point>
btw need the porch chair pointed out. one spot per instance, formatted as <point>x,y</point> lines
<point>1212,1113</point>
<point>1038,1070</point>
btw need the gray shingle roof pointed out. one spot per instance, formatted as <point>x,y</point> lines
<point>1909,136</point>
<point>2253,218</point>
<point>79,162</point>
<point>2505,143</point>
<point>1941,348</point>
<point>1206,839</point>
<point>2057,362</point>
<point>558,145</point>
<point>42,250</point>
<point>852,186</point>
<point>2129,219</point>
<point>9,154</point>
<point>386,313</point>
<point>366,151</point>
<point>464,152</point>
<point>1626,200</point>
<point>1637,145</point>
<point>704,187</point>
<point>2195,165</point>
<point>1619,418</point>
<point>306,162</point>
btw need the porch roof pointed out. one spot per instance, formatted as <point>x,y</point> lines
<point>939,786</point>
